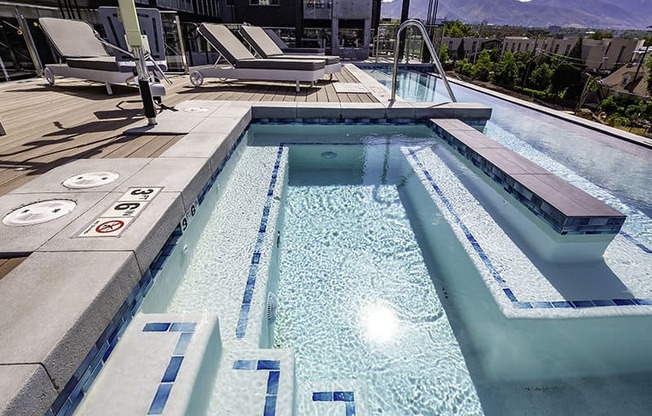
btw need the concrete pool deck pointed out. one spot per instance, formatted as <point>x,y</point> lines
<point>59,298</point>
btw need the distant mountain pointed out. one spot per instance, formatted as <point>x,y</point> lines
<point>631,14</point>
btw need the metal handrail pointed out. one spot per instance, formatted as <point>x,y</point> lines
<point>433,53</point>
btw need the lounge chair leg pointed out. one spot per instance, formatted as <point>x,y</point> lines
<point>330,77</point>
<point>3,132</point>
<point>298,87</point>
<point>109,90</point>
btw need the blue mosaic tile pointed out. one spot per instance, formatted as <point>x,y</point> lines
<point>156,327</point>
<point>561,304</point>
<point>624,302</point>
<point>582,303</point>
<point>256,258</point>
<point>183,327</point>
<point>160,399</point>
<point>270,406</point>
<point>603,302</point>
<point>510,294</point>
<point>272,382</point>
<point>245,364</point>
<point>343,396</point>
<point>644,302</point>
<point>523,305</point>
<point>322,396</point>
<point>541,305</point>
<point>268,365</point>
<point>172,370</point>
<point>182,344</point>
<point>350,409</point>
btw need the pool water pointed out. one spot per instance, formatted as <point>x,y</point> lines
<point>614,171</point>
<point>376,287</point>
<point>356,300</point>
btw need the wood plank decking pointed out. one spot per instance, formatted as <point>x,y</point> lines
<point>48,127</point>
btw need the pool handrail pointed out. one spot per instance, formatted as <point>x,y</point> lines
<point>433,53</point>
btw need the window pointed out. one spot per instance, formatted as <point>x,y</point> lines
<point>317,9</point>
<point>263,2</point>
<point>557,48</point>
<point>620,54</point>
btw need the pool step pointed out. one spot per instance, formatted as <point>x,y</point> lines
<point>164,364</point>
<point>331,398</point>
<point>255,382</point>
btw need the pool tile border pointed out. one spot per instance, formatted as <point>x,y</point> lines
<point>185,330</point>
<point>348,397</point>
<point>273,367</point>
<point>573,304</point>
<point>243,319</point>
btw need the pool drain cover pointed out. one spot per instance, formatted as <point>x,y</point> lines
<point>90,180</point>
<point>39,212</point>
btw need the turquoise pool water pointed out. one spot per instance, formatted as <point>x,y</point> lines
<point>377,289</point>
<point>615,171</point>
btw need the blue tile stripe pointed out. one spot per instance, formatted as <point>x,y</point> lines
<point>573,304</point>
<point>247,297</point>
<point>348,397</point>
<point>185,331</point>
<point>273,377</point>
<point>634,241</point>
<point>81,381</point>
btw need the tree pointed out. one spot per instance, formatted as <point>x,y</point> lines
<point>566,81</point>
<point>464,67</point>
<point>483,67</point>
<point>599,35</point>
<point>457,29</point>
<point>541,76</point>
<point>506,72</point>
<point>443,54</point>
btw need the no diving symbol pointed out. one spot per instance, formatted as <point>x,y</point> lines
<point>109,226</point>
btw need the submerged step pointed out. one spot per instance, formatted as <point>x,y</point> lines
<point>558,221</point>
<point>164,364</point>
<point>255,382</point>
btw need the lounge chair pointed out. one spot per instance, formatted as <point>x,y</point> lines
<point>85,56</point>
<point>242,65</point>
<point>151,25</point>
<point>265,47</point>
<point>286,49</point>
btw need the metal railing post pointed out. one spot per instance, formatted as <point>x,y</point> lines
<point>31,46</point>
<point>433,53</point>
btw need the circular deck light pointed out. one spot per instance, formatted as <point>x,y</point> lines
<point>90,180</point>
<point>329,155</point>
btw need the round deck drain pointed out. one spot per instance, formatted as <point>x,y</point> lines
<point>196,110</point>
<point>90,180</point>
<point>39,212</point>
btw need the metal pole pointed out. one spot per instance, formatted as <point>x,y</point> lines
<point>127,10</point>
<point>184,61</point>
<point>433,53</point>
<point>31,46</point>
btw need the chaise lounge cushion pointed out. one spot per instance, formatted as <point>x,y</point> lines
<point>72,38</point>
<point>99,63</point>
<point>282,64</point>
<point>266,48</point>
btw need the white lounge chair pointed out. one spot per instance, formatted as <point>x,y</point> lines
<point>294,51</point>
<point>85,57</point>
<point>242,65</point>
<point>265,47</point>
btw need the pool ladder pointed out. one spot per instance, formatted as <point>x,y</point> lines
<point>433,53</point>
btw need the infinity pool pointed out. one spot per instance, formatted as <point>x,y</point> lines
<point>615,171</point>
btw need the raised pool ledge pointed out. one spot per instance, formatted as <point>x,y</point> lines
<point>569,212</point>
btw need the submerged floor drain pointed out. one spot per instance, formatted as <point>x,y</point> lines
<point>39,212</point>
<point>90,180</point>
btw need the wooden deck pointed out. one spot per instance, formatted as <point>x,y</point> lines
<point>48,127</point>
